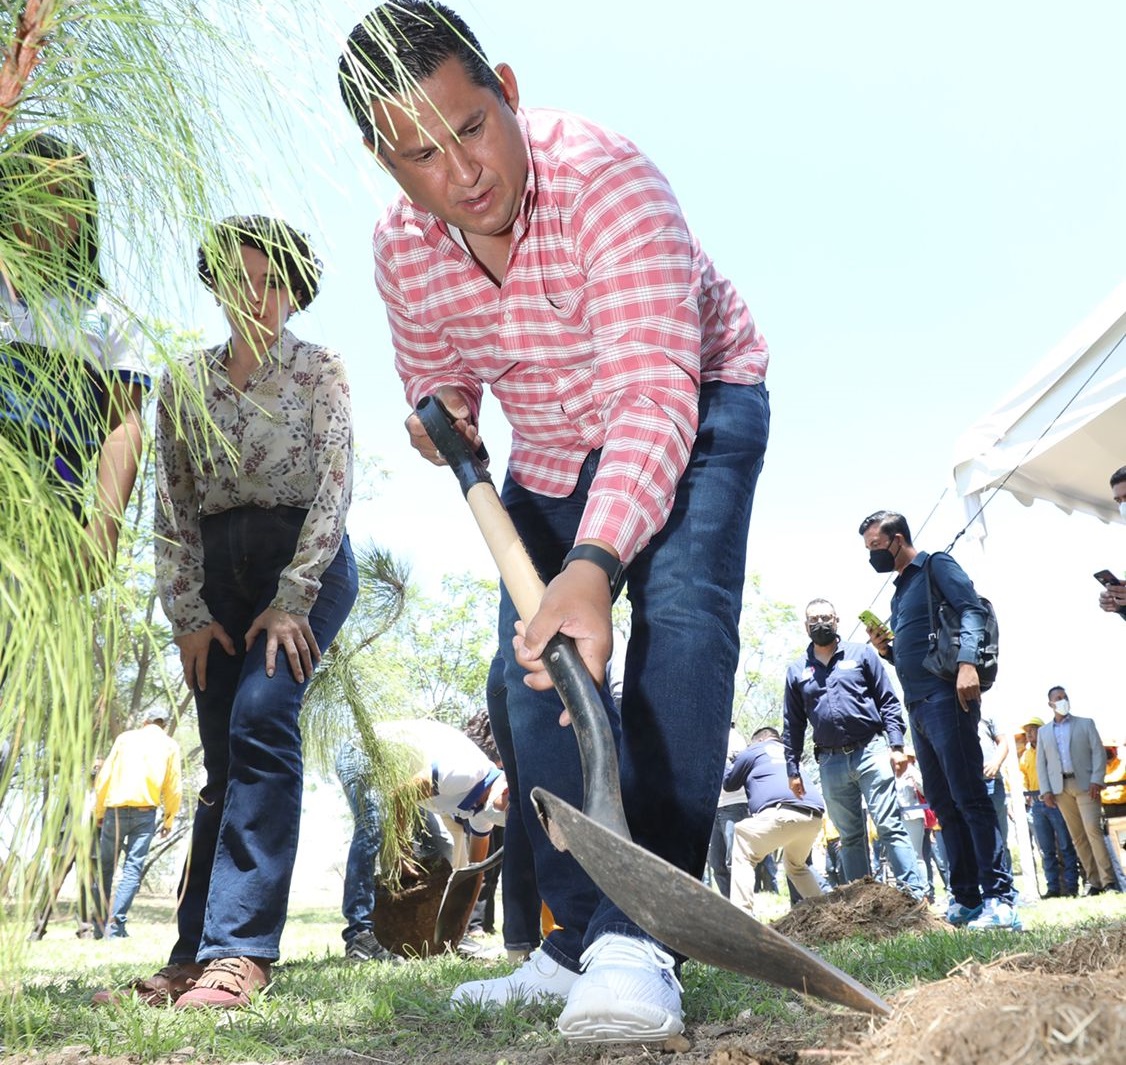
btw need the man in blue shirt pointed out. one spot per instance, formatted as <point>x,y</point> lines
<point>842,690</point>
<point>778,818</point>
<point>944,719</point>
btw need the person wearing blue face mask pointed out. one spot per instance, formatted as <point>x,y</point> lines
<point>944,717</point>
<point>1113,598</point>
<point>1071,765</point>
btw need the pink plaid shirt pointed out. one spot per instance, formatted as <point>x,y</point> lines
<point>609,319</point>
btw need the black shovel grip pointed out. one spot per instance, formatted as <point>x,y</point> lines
<point>602,789</point>
<point>468,466</point>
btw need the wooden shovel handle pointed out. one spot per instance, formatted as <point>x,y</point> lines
<point>602,793</point>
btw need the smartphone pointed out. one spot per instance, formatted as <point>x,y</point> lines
<point>1109,580</point>
<point>872,622</point>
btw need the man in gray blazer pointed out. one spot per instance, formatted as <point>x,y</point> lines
<point>1071,764</point>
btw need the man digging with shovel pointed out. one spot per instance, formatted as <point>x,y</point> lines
<point>546,256</point>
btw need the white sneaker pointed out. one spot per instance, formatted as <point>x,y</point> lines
<point>626,994</point>
<point>996,913</point>
<point>539,978</point>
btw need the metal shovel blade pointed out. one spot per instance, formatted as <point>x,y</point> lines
<point>682,913</point>
<point>459,897</point>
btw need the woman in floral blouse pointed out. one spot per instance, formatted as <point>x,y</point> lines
<point>256,576</point>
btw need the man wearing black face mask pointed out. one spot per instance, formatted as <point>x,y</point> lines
<point>944,719</point>
<point>842,691</point>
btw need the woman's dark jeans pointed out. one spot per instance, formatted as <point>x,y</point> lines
<point>235,886</point>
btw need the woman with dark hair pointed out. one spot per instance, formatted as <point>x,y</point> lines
<point>71,374</point>
<point>253,562</point>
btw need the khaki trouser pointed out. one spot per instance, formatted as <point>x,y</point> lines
<point>787,827</point>
<point>1083,817</point>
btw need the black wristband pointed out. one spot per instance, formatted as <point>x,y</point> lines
<point>603,559</point>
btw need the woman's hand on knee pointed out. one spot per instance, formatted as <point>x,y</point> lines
<point>292,635</point>
<point>194,649</point>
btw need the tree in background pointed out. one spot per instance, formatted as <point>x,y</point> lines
<point>442,650</point>
<point>771,638</point>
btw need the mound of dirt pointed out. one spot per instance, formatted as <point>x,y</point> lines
<point>863,908</point>
<point>1065,1006</point>
<point>990,1014</point>
<point>1087,953</point>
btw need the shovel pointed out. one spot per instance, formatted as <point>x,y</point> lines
<point>666,902</point>
<point>459,897</point>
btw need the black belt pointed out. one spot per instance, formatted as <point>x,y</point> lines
<point>851,748</point>
<point>791,806</point>
<point>1068,776</point>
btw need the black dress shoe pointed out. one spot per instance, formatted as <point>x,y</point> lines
<point>1092,891</point>
<point>1051,895</point>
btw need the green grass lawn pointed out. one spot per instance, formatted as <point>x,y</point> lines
<point>322,1006</point>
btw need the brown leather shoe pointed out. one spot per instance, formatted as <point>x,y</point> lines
<point>163,988</point>
<point>226,983</point>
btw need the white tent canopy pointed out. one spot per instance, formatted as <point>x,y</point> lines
<point>1062,431</point>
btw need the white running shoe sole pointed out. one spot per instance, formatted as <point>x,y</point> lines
<point>644,1024</point>
<point>598,1013</point>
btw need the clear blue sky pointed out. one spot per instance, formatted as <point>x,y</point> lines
<point>917,203</point>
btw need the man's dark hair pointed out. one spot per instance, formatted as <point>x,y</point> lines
<point>1056,688</point>
<point>480,730</point>
<point>400,44</point>
<point>28,169</point>
<point>890,523</point>
<point>765,733</point>
<point>1118,476</point>
<point>287,250</point>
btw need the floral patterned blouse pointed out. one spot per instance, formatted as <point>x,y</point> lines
<point>284,440</point>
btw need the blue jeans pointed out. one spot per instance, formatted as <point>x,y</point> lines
<point>950,760</point>
<point>934,857</point>
<point>999,797</point>
<point>235,887</point>
<point>722,840</point>
<point>686,592</point>
<point>866,774</point>
<point>1061,864</point>
<point>129,829</point>
<point>520,895</point>
<point>363,854</point>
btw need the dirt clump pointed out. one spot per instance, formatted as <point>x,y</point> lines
<point>988,1014</point>
<point>863,908</point>
<point>1089,952</point>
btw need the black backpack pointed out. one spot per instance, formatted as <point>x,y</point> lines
<point>945,637</point>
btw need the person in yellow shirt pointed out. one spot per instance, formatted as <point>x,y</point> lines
<point>1114,794</point>
<point>141,772</point>
<point>1114,805</point>
<point>1061,864</point>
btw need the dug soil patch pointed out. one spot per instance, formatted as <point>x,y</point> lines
<point>863,908</point>
<point>991,1015</point>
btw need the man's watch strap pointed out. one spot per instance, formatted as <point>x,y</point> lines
<point>603,559</point>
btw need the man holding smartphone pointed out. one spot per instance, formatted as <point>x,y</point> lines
<point>1113,597</point>
<point>944,719</point>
